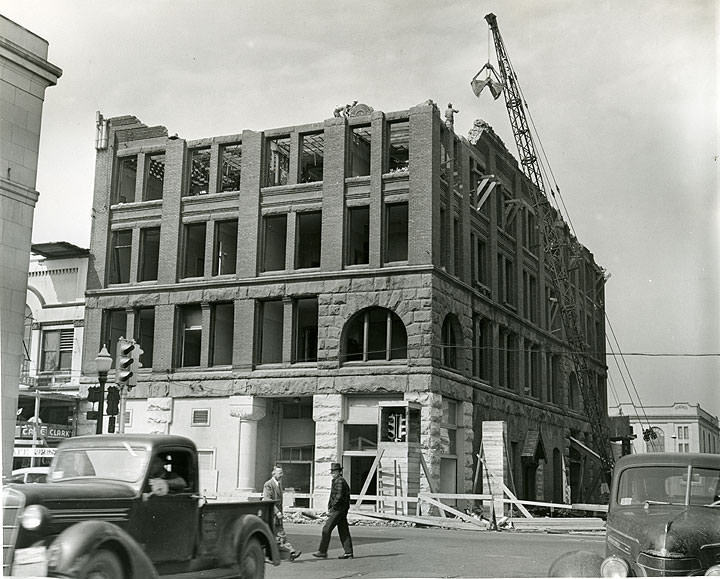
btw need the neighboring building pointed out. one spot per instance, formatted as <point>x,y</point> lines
<point>25,73</point>
<point>681,427</point>
<point>52,348</point>
<point>284,283</point>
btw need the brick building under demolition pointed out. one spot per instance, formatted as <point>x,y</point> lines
<point>284,283</point>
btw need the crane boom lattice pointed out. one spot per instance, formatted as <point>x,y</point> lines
<point>558,249</point>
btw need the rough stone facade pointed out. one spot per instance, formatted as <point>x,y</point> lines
<point>448,306</point>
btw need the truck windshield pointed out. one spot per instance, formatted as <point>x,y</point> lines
<point>125,463</point>
<point>676,485</point>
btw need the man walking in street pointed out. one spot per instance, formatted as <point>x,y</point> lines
<point>338,507</point>
<point>273,491</point>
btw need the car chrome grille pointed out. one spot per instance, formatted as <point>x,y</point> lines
<point>13,504</point>
<point>659,566</point>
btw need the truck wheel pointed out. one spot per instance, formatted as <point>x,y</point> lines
<point>103,564</point>
<point>252,563</point>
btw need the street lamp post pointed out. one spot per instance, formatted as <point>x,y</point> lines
<point>103,361</point>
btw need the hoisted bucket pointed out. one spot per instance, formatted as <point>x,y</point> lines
<point>495,85</point>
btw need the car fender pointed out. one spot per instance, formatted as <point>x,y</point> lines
<point>71,548</point>
<point>240,531</point>
<point>576,564</point>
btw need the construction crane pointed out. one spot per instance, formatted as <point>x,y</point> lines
<point>552,242</point>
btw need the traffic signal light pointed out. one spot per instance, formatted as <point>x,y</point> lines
<point>392,427</point>
<point>402,428</point>
<point>113,400</point>
<point>137,351</point>
<point>124,363</point>
<point>649,434</point>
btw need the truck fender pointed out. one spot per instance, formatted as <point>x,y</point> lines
<point>576,564</point>
<point>241,530</point>
<point>71,548</point>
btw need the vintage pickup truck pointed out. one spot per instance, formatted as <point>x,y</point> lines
<point>663,520</point>
<point>128,507</point>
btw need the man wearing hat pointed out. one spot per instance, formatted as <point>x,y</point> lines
<point>338,507</point>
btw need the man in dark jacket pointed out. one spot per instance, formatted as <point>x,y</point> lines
<point>338,507</point>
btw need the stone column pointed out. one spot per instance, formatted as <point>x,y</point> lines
<point>465,446</point>
<point>430,442</point>
<point>329,415</point>
<point>249,410</point>
<point>159,415</point>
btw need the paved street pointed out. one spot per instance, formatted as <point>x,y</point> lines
<point>415,552</point>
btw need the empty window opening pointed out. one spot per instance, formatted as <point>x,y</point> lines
<point>308,239</point>
<point>225,249</point>
<point>508,359</point>
<point>57,349</point>
<point>532,370</point>
<point>530,295</point>
<point>274,242</point>
<point>311,162</point>
<point>398,146</point>
<point>396,247</point>
<point>149,254</point>
<point>114,326</point>
<point>271,331</point>
<point>375,334</point>
<point>457,248</point>
<point>120,247</point>
<point>443,238</point>
<point>360,147</point>
<point>126,180</point>
<point>358,235</point>
<point>506,280</point>
<point>482,347</point>
<point>145,334</point>
<point>444,162</point>
<point>199,181</point>
<point>154,177</point>
<point>230,170</point>
<point>482,262</point>
<point>278,161</point>
<point>306,330</point>
<point>221,334</point>
<point>190,335</point>
<point>194,263</point>
<point>530,231</point>
<point>450,342</point>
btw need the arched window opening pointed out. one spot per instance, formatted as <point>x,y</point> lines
<point>375,334</point>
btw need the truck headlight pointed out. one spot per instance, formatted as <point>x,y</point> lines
<point>33,517</point>
<point>714,570</point>
<point>614,567</point>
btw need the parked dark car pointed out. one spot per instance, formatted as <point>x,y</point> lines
<point>663,520</point>
<point>128,507</point>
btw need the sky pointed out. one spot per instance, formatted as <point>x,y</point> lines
<point>623,94</point>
